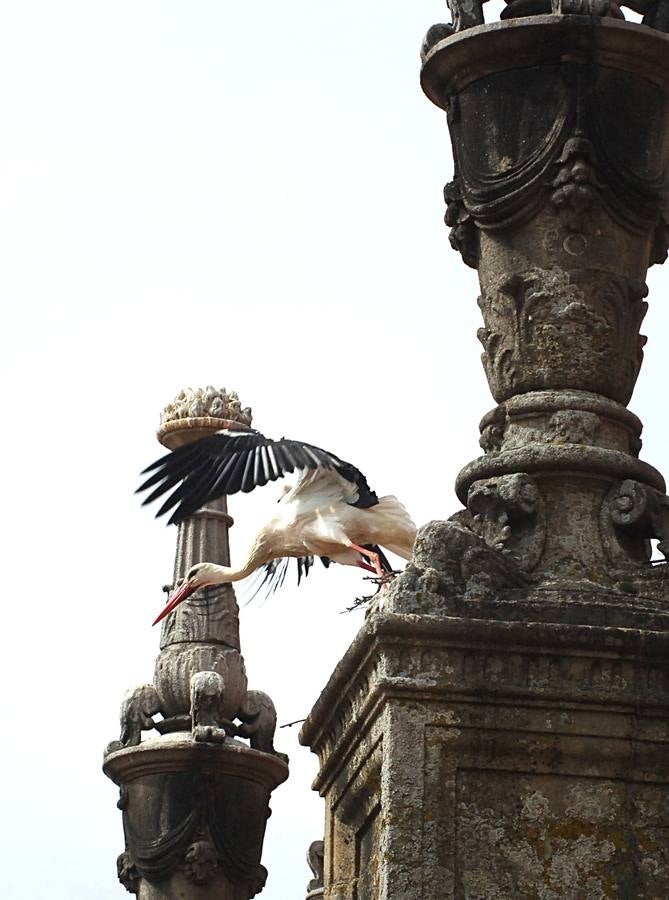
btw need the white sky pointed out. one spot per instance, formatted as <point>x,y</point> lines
<point>243,194</point>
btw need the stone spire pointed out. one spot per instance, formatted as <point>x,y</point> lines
<point>498,729</point>
<point>195,799</point>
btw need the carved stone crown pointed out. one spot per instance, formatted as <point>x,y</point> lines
<point>216,403</point>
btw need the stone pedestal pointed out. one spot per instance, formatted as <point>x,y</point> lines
<point>465,758</point>
<point>498,730</point>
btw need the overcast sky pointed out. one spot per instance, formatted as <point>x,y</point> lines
<point>238,194</point>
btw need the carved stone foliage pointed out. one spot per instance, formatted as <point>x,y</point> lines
<point>632,514</point>
<point>216,403</point>
<point>550,328</point>
<point>519,142</point>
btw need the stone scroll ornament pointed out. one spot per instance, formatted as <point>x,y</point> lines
<point>633,514</point>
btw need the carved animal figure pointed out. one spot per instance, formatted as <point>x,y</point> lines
<point>139,706</point>
<point>329,512</point>
<point>258,716</point>
<point>207,707</point>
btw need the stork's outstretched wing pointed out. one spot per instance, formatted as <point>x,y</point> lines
<point>231,461</point>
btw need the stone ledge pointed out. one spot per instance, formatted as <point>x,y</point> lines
<point>429,659</point>
<point>174,754</point>
<point>452,64</point>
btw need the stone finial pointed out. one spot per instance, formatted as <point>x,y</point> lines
<point>210,401</point>
<point>195,413</point>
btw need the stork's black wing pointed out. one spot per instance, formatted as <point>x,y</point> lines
<point>231,461</point>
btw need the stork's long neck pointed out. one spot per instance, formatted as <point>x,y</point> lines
<point>258,555</point>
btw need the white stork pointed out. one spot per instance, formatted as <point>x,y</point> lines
<point>330,511</point>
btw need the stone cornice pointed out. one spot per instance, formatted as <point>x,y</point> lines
<point>543,40</point>
<point>174,755</point>
<point>413,657</point>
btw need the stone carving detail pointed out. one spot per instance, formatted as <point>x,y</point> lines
<point>215,823</point>
<point>572,426</point>
<point>139,705</point>
<point>209,719</point>
<point>452,562</point>
<point>127,873</point>
<point>469,13</point>
<point>562,148</point>
<point>599,8</point>
<point>214,402</point>
<point>507,512</point>
<point>637,513</point>
<point>576,183</point>
<point>463,236</point>
<point>549,329</point>
<point>207,707</point>
<point>658,252</point>
<point>258,716</point>
<point>434,34</point>
<point>492,432</point>
<point>201,862</point>
<point>657,15</point>
<point>316,862</point>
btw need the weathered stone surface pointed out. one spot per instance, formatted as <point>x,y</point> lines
<point>499,727</point>
<point>195,802</point>
<point>463,758</point>
<point>194,815</point>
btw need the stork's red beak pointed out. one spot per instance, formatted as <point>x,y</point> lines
<point>186,589</point>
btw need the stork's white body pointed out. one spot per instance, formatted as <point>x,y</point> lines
<point>315,517</point>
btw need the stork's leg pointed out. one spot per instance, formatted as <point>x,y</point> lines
<point>371,556</point>
<point>365,566</point>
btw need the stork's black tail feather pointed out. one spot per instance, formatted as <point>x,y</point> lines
<point>273,574</point>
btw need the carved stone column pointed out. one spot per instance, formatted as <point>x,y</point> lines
<point>500,726</point>
<point>195,800</point>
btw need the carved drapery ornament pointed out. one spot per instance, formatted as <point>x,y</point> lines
<point>566,149</point>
